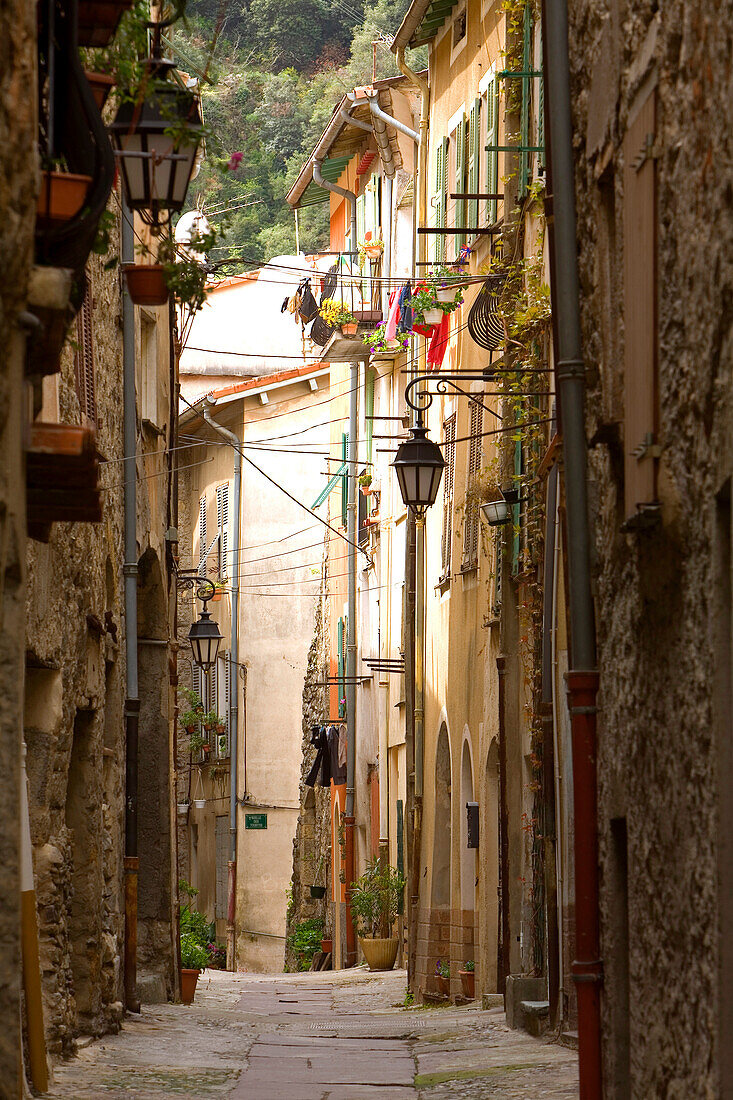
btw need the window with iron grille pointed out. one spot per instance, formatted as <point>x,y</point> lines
<point>471,521</point>
<point>84,358</point>
<point>223,681</point>
<point>449,451</point>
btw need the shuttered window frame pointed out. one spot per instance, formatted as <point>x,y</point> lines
<point>471,520</point>
<point>449,454</point>
<point>222,522</point>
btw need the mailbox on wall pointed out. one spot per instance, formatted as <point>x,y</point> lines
<point>472,814</point>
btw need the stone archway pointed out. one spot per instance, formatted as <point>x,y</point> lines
<point>489,847</point>
<point>440,896</point>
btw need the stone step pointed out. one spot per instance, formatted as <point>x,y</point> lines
<point>536,1016</point>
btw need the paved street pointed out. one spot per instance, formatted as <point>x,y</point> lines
<point>332,1036</point>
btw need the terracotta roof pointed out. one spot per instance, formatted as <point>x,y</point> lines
<point>264,380</point>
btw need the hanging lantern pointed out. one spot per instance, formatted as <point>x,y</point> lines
<point>156,140</point>
<point>419,467</point>
<point>205,638</point>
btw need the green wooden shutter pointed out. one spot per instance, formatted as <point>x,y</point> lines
<point>460,182</point>
<point>344,483</point>
<point>524,141</point>
<point>517,508</point>
<point>360,218</point>
<point>369,412</point>
<point>541,115</point>
<point>474,156</point>
<point>441,193</point>
<point>341,666</point>
<point>492,157</point>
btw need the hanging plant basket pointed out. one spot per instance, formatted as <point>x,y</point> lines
<point>146,284</point>
<point>433,316</point>
<point>318,891</point>
<point>61,197</point>
<point>446,293</point>
<point>101,86</point>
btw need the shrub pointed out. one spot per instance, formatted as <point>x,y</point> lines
<point>375,898</point>
<point>306,940</point>
<point>193,955</point>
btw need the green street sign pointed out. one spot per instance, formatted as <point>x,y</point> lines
<point>255,821</point>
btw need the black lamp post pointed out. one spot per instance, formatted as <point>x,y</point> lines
<point>204,635</point>
<point>156,139</point>
<point>419,466</point>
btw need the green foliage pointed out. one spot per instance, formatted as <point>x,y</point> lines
<point>442,969</point>
<point>469,966</point>
<point>195,924</point>
<point>278,69</point>
<point>305,940</point>
<point>194,956</point>
<point>375,898</point>
<point>409,999</point>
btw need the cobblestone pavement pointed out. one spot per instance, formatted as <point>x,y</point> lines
<point>343,1035</point>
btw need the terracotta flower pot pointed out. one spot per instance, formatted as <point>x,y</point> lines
<point>468,983</point>
<point>443,985</point>
<point>190,728</point>
<point>146,284</point>
<point>188,985</point>
<point>61,197</point>
<point>379,953</point>
<point>101,86</point>
<point>349,329</point>
<point>373,251</point>
<point>326,946</point>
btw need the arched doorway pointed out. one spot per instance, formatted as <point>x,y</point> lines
<point>441,879</point>
<point>490,862</point>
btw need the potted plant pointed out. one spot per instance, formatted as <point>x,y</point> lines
<point>189,720</point>
<point>371,248</point>
<point>467,977</point>
<point>446,282</point>
<point>183,808</point>
<point>425,306</point>
<point>146,284</point>
<point>220,588</point>
<point>318,891</point>
<point>378,344</point>
<point>62,196</point>
<point>194,958</point>
<point>365,481</point>
<point>336,315</point>
<point>375,900</point>
<point>101,85</point>
<point>442,977</point>
<point>326,946</point>
<point>211,720</point>
<point>196,741</point>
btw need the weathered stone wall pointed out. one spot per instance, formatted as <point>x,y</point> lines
<point>73,722</point>
<point>312,843</point>
<point>655,589</point>
<point>18,183</point>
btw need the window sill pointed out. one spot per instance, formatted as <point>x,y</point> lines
<point>443,585</point>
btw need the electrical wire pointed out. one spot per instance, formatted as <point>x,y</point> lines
<point>290,496</point>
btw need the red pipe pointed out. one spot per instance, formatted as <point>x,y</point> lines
<point>587,967</point>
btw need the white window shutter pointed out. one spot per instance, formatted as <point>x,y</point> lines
<point>202,534</point>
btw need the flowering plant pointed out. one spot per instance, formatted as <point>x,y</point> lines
<point>442,969</point>
<point>372,247</point>
<point>335,313</point>
<point>376,341</point>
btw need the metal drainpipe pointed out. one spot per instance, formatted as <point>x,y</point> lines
<point>132,699</point>
<point>415,597</point>
<point>233,683</point>
<point>582,679</point>
<point>351,622</point>
<point>550,809</point>
<point>393,122</point>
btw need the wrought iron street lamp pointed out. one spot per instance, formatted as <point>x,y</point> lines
<point>204,635</point>
<point>156,138</point>
<point>419,467</point>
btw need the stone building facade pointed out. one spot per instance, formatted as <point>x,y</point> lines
<point>18,169</point>
<point>653,189</point>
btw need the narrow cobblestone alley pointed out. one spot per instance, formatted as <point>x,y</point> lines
<point>332,1036</point>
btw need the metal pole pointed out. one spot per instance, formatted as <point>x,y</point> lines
<point>351,661</point>
<point>132,700</point>
<point>233,685</point>
<point>582,679</point>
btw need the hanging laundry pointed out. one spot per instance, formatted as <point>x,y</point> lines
<point>338,770</point>
<point>322,763</point>
<point>405,305</point>
<point>438,343</point>
<point>342,745</point>
<point>308,304</point>
<point>393,314</point>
